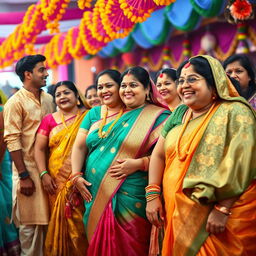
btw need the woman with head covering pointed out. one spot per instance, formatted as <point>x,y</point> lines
<point>240,67</point>
<point>206,164</point>
<point>166,86</point>
<point>9,242</point>
<point>54,141</point>
<point>117,138</point>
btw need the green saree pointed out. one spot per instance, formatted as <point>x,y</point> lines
<point>115,219</point>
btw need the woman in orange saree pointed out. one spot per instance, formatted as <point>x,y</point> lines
<point>207,167</point>
<point>56,135</point>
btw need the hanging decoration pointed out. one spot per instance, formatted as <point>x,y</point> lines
<point>242,36</point>
<point>163,2</point>
<point>166,57</point>
<point>208,42</point>
<point>186,49</point>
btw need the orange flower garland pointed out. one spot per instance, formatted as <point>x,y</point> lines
<point>163,2</point>
<point>82,4</point>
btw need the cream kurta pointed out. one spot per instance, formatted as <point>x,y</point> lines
<point>23,114</point>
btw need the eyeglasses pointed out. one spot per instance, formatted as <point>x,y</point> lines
<point>189,80</point>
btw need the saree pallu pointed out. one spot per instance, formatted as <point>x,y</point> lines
<point>66,234</point>
<point>221,147</point>
<point>115,219</point>
<point>9,241</point>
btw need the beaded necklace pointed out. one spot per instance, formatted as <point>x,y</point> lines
<point>104,134</point>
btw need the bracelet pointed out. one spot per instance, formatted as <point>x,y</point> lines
<point>152,191</point>
<point>24,175</point>
<point>222,209</point>
<point>74,175</point>
<point>42,174</point>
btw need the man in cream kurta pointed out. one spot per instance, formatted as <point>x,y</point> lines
<point>22,115</point>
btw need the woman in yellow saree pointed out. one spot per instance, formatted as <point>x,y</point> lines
<point>56,135</point>
<point>206,164</point>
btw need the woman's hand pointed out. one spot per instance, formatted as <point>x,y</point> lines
<point>154,211</point>
<point>216,222</point>
<point>124,167</point>
<point>80,183</point>
<point>49,184</point>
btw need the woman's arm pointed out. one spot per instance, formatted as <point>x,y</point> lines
<point>154,207</point>
<point>41,152</point>
<point>217,218</point>
<point>79,152</point>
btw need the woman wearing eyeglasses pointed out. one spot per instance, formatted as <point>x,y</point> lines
<point>239,67</point>
<point>205,166</point>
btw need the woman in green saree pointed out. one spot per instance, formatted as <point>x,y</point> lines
<point>54,141</point>
<point>117,148</point>
<point>206,165</point>
<point>9,241</point>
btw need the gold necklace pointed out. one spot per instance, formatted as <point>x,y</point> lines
<point>64,122</point>
<point>103,134</point>
<point>183,156</point>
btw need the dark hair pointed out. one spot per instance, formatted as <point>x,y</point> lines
<point>71,86</point>
<point>112,73</point>
<point>202,67</point>
<point>27,63</point>
<point>170,72</point>
<point>246,63</point>
<point>140,73</point>
<point>91,87</point>
<point>236,84</point>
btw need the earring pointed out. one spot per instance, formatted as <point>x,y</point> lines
<point>147,97</point>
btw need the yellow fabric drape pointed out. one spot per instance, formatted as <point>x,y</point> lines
<point>65,236</point>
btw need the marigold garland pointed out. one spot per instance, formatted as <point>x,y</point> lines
<point>82,4</point>
<point>163,2</point>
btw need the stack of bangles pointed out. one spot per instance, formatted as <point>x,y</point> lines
<point>73,178</point>
<point>152,191</point>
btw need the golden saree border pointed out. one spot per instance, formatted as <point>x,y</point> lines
<point>109,184</point>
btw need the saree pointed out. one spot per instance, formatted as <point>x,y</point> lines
<point>9,241</point>
<point>115,219</point>
<point>65,235</point>
<point>215,160</point>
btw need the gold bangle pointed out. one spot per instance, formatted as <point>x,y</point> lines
<point>222,209</point>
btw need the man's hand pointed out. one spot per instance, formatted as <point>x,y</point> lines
<point>27,186</point>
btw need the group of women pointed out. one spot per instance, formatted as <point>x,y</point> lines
<point>179,154</point>
<point>198,170</point>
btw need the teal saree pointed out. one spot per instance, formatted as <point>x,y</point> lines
<point>115,220</point>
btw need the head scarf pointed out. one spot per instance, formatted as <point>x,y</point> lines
<point>225,88</point>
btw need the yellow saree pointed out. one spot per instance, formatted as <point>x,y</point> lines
<point>215,160</point>
<point>66,234</point>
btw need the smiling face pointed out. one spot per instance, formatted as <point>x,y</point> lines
<point>195,93</point>
<point>132,92</point>
<point>93,98</point>
<point>166,87</point>
<point>238,72</point>
<point>38,75</point>
<point>107,90</point>
<point>65,98</point>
